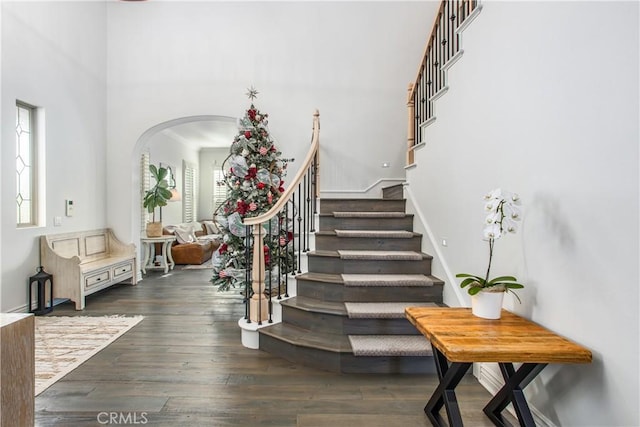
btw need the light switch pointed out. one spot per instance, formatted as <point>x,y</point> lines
<point>57,221</point>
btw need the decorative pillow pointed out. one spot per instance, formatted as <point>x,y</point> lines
<point>184,235</point>
<point>211,227</point>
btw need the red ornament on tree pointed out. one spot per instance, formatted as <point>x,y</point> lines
<point>247,134</point>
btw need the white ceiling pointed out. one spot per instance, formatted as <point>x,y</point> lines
<point>214,133</point>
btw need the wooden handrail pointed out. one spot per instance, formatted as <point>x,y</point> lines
<point>305,180</point>
<point>427,48</point>
<point>442,46</point>
<point>284,197</point>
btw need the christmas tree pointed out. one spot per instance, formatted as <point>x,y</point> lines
<point>253,175</point>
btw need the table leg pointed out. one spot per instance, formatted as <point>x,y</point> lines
<point>444,395</point>
<point>147,251</point>
<point>512,392</point>
<point>164,256</point>
<point>172,263</point>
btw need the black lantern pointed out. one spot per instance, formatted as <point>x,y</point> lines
<point>42,280</point>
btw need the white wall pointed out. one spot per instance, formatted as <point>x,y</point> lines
<point>53,56</point>
<point>544,102</point>
<point>209,157</point>
<point>351,60</point>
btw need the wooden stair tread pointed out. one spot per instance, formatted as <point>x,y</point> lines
<point>302,337</point>
<point>321,277</point>
<point>368,215</point>
<point>378,233</point>
<point>316,305</point>
<point>336,254</point>
<point>337,278</point>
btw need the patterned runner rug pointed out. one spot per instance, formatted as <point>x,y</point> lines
<point>390,345</point>
<point>64,343</point>
<point>381,310</point>
<point>386,280</point>
<point>381,255</point>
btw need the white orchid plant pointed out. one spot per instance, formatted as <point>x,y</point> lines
<point>503,213</point>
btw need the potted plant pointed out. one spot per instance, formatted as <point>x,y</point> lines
<point>503,211</point>
<point>156,197</point>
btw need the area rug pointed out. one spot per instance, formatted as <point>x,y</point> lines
<point>64,343</point>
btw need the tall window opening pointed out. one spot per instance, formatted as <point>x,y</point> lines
<point>189,192</point>
<point>219,188</point>
<point>145,185</point>
<point>26,165</point>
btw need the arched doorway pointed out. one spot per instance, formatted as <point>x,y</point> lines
<point>175,143</point>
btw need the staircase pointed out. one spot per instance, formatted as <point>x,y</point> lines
<point>348,315</point>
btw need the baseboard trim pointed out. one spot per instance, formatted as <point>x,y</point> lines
<point>441,259</point>
<point>363,191</point>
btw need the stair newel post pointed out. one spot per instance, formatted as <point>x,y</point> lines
<point>411,124</point>
<point>258,302</point>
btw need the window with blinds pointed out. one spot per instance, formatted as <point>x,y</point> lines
<point>145,184</point>
<point>189,192</point>
<point>219,188</point>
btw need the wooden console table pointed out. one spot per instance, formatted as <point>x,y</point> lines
<point>459,338</point>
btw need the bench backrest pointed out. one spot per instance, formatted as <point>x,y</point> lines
<point>86,245</point>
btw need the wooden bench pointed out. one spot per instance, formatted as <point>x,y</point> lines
<point>85,262</point>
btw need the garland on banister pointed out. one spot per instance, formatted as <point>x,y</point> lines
<point>254,172</point>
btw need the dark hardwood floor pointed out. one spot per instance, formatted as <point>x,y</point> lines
<point>184,365</point>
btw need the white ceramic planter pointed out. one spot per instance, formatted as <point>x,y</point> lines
<point>487,305</point>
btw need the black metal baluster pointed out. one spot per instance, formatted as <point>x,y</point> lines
<point>300,242</point>
<point>269,269</point>
<point>247,273</point>
<point>315,189</point>
<point>260,273</point>
<point>310,203</point>
<point>417,137</point>
<point>307,203</point>
<point>445,31</point>
<point>286,228</point>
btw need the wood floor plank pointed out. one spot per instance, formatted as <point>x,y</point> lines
<point>184,365</point>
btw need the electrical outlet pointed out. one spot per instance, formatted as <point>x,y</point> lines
<point>444,241</point>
